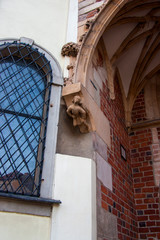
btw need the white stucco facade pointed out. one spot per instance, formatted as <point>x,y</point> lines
<point>22,226</point>
<point>75,218</point>
<point>75,185</point>
<point>43,21</point>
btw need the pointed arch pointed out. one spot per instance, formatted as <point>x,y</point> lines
<point>134,51</point>
<point>93,36</point>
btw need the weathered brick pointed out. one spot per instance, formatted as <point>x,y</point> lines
<point>142,206</point>
<point>149,223</point>
<point>150,200</point>
<point>143,230</point>
<point>147,190</point>
<point>104,205</point>
<point>142,224</point>
<point>155,229</point>
<point>142,218</point>
<point>154,217</point>
<point>139,185</point>
<point>150,173</point>
<point>149,212</point>
<point>143,236</point>
<point>141,195</point>
<point>143,164</point>
<point>133,181</point>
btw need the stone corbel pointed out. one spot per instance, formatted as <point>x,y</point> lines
<point>77,108</point>
<point>93,118</point>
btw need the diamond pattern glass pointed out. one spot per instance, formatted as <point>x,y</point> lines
<point>25,77</point>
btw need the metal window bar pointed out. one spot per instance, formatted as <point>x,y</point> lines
<point>25,82</point>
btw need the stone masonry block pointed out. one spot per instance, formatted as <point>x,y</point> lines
<point>90,8</point>
<point>99,146</point>
<point>104,172</point>
<point>85,3</point>
<point>107,225</point>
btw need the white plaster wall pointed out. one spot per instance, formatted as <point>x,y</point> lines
<point>75,186</point>
<point>71,29</point>
<point>44,21</point>
<point>23,227</point>
<point>72,21</point>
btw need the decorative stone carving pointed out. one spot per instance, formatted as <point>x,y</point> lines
<point>82,37</point>
<point>79,113</point>
<point>70,66</point>
<point>102,6</point>
<point>70,49</point>
<point>68,81</point>
<point>89,23</point>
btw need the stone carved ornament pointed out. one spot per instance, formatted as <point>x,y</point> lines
<point>70,49</point>
<point>82,37</point>
<point>79,113</point>
<point>89,23</point>
<point>68,81</point>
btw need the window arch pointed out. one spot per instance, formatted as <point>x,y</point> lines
<point>25,87</point>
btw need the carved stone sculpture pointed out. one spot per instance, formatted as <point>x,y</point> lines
<point>79,114</point>
<point>82,37</point>
<point>70,49</point>
<point>68,81</point>
<point>70,66</point>
<point>89,23</point>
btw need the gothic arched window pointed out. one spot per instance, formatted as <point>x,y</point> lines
<point>25,86</point>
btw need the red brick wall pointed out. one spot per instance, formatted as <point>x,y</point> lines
<point>134,200</point>
<point>145,191</point>
<point>158,129</point>
<point>138,111</point>
<point>120,202</point>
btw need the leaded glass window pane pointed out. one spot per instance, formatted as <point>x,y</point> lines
<point>24,99</point>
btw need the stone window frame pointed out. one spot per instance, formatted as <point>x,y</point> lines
<point>41,205</point>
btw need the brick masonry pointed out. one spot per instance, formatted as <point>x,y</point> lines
<point>134,199</point>
<point>119,202</point>
<point>138,111</point>
<point>143,151</point>
<point>133,202</point>
<point>87,10</point>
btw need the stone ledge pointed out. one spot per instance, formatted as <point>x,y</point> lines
<point>26,204</point>
<point>30,198</point>
<point>146,124</point>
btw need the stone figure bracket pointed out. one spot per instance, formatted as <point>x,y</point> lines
<point>79,113</point>
<point>76,108</point>
<point>92,119</point>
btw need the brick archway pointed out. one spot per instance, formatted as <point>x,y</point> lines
<point>141,40</point>
<point>93,36</point>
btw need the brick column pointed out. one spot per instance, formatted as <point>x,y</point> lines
<point>156,155</point>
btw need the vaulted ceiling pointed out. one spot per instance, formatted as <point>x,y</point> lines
<point>132,42</point>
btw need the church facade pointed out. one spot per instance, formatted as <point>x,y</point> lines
<point>80,119</point>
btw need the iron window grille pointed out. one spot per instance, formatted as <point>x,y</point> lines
<point>25,84</point>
